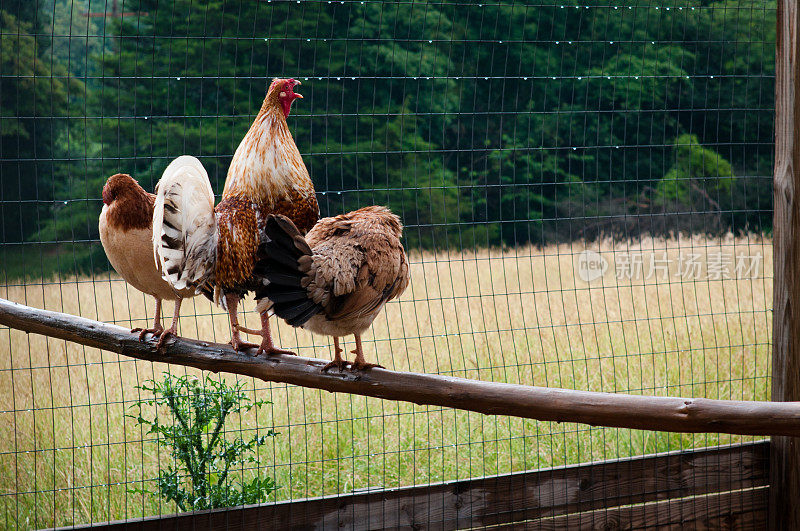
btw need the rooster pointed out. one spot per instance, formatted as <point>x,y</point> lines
<point>214,249</point>
<point>126,234</point>
<point>336,279</point>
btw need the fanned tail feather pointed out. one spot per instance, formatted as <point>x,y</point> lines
<point>185,228</point>
<point>284,260</point>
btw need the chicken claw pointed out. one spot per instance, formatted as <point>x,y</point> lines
<point>164,336</point>
<point>340,364</point>
<point>157,330</point>
<point>270,350</point>
<point>267,346</point>
<point>356,366</point>
<point>237,343</point>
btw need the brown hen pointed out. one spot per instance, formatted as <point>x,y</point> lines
<point>126,232</point>
<point>336,279</point>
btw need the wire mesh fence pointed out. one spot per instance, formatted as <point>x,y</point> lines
<point>585,188</point>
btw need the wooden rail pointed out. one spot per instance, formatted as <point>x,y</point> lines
<point>688,415</point>
<point>716,488</point>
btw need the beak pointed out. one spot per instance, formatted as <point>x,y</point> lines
<point>300,96</point>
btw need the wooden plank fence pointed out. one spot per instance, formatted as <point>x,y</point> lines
<point>718,488</point>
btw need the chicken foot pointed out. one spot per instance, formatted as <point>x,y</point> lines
<point>338,361</point>
<point>266,346</point>
<point>157,328</point>
<point>232,301</point>
<point>172,330</point>
<point>360,364</point>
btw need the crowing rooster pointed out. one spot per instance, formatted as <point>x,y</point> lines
<point>126,233</point>
<point>336,279</point>
<point>216,253</point>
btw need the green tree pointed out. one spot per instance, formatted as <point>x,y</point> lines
<point>35,93</point>
<point>481,125</point>
<point>698,176</point>
<point>700,181</point>
<point>394,166</point>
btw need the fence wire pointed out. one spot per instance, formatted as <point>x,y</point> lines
<point>585,188</point>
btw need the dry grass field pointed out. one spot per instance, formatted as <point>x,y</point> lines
<point>68,454</point>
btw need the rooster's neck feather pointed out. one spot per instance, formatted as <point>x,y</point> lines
<point>267,164</point>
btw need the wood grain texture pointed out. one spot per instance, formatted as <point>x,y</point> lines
<point>687,415</point>
<point>785,460</point>
<point>586,496</point>
<point>729,510</point>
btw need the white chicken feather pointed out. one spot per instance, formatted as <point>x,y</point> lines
<point>184,225</point>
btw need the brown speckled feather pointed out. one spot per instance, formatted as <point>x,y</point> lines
<point>301,208</point>
<point>359,264</point>
<point>237,244</point>
<point>356,265</point>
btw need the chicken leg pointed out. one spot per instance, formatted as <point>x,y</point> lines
<point>172,330</point>
<point>266,346</point>
<point>232,301</point>
<point>361,364</point>
<point>157,328</point>
<point>338,361</point>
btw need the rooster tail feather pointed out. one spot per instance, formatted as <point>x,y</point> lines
<point>284,261</point>
<point>184,227</point>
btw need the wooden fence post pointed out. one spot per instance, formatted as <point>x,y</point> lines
<point>784,500</point>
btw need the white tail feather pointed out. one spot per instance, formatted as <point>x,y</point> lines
<point>184,225</point>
